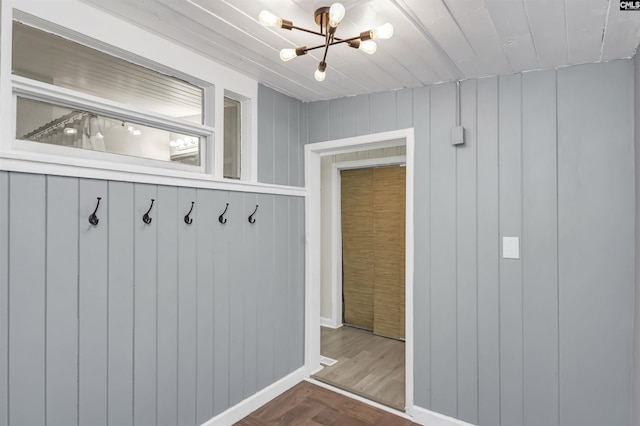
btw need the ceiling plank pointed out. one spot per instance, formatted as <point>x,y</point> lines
<point>436,20</point>
<point>586,21</point>
<point>474,20</point>
<point>548,26</point>
<point>511,23</point>
<point>619,41</point>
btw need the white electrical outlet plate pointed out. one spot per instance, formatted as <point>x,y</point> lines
<point>511,247</point>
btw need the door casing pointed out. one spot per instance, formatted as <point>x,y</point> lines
<point>313,154</point>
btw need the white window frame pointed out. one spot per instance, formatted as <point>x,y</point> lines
<point>59,96</point>
<point>93,28</point>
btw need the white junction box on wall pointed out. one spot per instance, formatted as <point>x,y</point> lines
<point>511,247</point>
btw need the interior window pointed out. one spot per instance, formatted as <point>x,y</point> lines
<point>232,138</point>
<point>52,59</point>
<point>55,125</point>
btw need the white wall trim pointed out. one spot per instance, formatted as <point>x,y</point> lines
<point>49,165</point>
<point>430,418</point>
<point>313,153</point>
<point>330,323</point>
<point>336,224</point>
<point>249,405</point>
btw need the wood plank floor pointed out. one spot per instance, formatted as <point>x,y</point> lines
<point>368,365</point>
<point>308,404</point>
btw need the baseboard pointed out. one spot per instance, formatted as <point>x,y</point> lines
<point>429,418</point>
<point>329,323</point>
<point>249,405</point>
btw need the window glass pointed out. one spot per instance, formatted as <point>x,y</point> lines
<point>232,138</point>
<point>51,124</point>
<point>48,58</point>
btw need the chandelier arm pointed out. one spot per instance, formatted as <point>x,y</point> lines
<point>307,31</point>
<point>315,47</point>
<point>344,40</point>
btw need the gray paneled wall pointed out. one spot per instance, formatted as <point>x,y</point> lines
<point>282,133</point>
<point>547,339</point>
<point>127,323</point>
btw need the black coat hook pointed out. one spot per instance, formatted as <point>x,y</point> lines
<point>146,219</point>
<point>187,219</point>
<point>221,218</point>
<point>251,219</point>
<point>93,219</point>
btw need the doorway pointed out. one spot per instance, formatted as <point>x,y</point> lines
<point>366,356</point>
<point>313,154</point>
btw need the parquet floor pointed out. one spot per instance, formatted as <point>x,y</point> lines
<point>308,404</point>
<point>368,365</point>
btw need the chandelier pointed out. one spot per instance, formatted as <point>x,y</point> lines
<point>327,18</point>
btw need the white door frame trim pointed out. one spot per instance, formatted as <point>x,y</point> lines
<point>336,226</point>
<point>312,154</point>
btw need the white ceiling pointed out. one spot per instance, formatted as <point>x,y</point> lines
<point>434,40</point>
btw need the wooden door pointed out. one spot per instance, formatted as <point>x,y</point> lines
<point>373,249</point>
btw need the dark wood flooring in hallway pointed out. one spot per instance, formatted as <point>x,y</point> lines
<point>308,404</point>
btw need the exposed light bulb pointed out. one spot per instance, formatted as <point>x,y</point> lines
<point>288,54</point>
<point>320,75</point>
<point>368,46</point>
<point>173,144</point>
<point>268,19</point>
<point>336,14</point>
<point>70,131</point>
<point>136,132</point>
<point>383,32</point>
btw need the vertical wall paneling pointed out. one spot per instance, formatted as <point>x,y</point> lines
<point>93,299</point>
<point>121,322</point>
<point>318,121</point>
<point>488,254</point>
<point>27,292</point>
<point>595,242</point>
<point>421,296</point>
<point>443,252</point>
<point>62,301</point>
<point>204,218</point>
<point>187,311</point>
<point>466,246</point>
<point>237,221</point>
<point>348,107</point>
<point>545,339</point>
<point>382,111</point>
<point>362,114</point>
<point>145,304</point>
<point>4,297</point>
<point>404,110</point>
<point>221,309</point>
<point>265,291</point>
<point>303,132</point>
<point>540,254</point>
<point>510,173</point>
<point>296,283</point>
<point>281,140</point>
<point>250,279</point>
<point>166,221</point>
<point>295,146</point>
<point>265,133</point>
<point>281,285</point>
<point>335,120</point>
